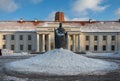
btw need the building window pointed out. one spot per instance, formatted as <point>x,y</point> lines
<point>4,37</point>
<point>29,47</point>
<point>95,38</point>
<point>21,47</point>
<point>21,37</point>
<point>12,47</point>
<point>4,46</point>
<point>29,37</point>
<point>87,38</point>
<point>104,48</point>
<point>113,47</point>
<point>12,37</point>
<point>87,47</point>
<point>113,38</point>
<point>104,38</point>
<point>95,47</point>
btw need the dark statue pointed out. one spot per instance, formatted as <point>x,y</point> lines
<point>60,37</point>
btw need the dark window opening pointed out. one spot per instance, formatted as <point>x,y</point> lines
<point>113,48</point>
<point>21,47</point>
<point>87,47</point>
<point>95,48</point>
<point>4,46</point>
<point>12,37</point>
<point>95,38</point>
<point>104,37</point>
<point>87,38</point>
<point>29,37</point>
<point>113,38</point>
<point>4,37</point>
<point>21,37</point>
<point>104,48</point>
<point>29,47</point>
<point>12,47</point>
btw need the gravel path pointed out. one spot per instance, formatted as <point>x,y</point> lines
<point>112,76</point>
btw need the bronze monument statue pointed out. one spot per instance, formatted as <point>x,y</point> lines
<point>60,37</point>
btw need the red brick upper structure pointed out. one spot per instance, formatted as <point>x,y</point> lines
<point>59,16</point>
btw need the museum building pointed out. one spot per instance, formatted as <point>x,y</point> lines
<point>38,36</point>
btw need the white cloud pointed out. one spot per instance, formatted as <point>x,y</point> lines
<point>36,1</point>
<point>82,6</point>
<point>117,12</point>
<point>51,17</point>
<point>8,5</point>
<point>12,5</point>
<point>77,19</point>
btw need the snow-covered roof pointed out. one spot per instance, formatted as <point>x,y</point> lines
<point>85,26</point>
<point>17,26</point>
<point>101,27</point>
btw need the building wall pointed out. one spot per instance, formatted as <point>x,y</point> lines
<point>16,44</point>
<point>76,40</point>
<point>100,44</point>
<point>118,41</point>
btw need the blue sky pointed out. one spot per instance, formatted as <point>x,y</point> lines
<point>74,9</point>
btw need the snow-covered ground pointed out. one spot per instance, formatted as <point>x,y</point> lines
<point>7,52</point>
<point>111,55</point>
<point>60,62</point>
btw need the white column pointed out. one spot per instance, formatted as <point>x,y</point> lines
<point>100,44</point>
<point>43,42</point>
<point>68,47</point>
<point>38,42</point>
<point>49,45</point>
<point>82,42</point>
<point>73,43</point>
<point>108,43</point>
<point>17,47</point>
<point>78,42</point>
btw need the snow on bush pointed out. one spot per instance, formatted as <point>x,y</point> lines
<point>60,62</point>
<point>7,52</point>
<point>112,55</point>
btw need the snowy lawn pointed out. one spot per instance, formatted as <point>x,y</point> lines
<point>111,55</point>
<point>6,52</point>
<point>60,62</point>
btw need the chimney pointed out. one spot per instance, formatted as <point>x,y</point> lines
<point>59,16</point>
<point>21,20</point>
<point>36,20</point>
<point>90,20</point>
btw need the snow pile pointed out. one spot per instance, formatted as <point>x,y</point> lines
<point>60,62</point>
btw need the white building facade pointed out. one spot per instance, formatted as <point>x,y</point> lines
<point>38,36</point>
